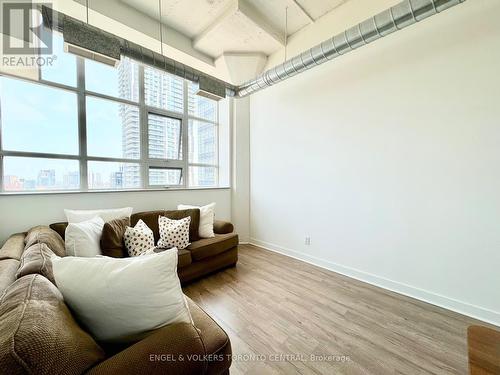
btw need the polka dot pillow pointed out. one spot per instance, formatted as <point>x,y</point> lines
<point>138,239</point>
<point>174,233</point>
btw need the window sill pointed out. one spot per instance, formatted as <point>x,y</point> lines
<point>21,193</point>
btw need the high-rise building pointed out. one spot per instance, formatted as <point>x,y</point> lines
<point>164,91</point>
<point>116,180</point>
<point>128,76</point>
<point>46,178</point>
<point>95,179</point>
<point>71,180</point>
<point>28,184</point>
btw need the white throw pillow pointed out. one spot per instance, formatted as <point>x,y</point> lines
<point>82,239</point>
<point>77,216</point>
<point>138,239</point>
<point>207,216</point>
<point>122,299</point>
<point>174,233</point>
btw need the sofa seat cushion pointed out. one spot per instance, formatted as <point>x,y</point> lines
<point>208,247</point>
<point>48,236</point>
<point>208,265</point>
<point>184,258</point>
<point>39,334</point>
<point>214,338</point>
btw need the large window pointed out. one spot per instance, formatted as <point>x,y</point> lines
<point>84,126</point>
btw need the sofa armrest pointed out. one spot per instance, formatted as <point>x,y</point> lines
<point>174,349</point>
<point>223,227</point>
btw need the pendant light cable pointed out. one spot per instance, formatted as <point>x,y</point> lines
<point>161,27</point>
<point>286,29</point>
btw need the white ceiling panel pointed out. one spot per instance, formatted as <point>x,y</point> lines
<point>273,11</point>
<point>190,17</point>
<point>236,33</point>
<point>318,8</point>
<point>218,26</point>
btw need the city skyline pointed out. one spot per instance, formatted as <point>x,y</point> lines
<point>162,90</point>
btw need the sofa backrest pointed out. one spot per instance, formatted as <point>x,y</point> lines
<point>29,253</point>
<point>8,270</point>
<point>60,228</point>
<point>13,247</point>
<point>44,234</point>
<point>151,220</point>
<point>10,256</point>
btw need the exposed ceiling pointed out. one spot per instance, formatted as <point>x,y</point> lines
<point>219,26</point>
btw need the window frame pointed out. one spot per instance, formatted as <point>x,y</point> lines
<point>144,161</point>
<point>165,168</point>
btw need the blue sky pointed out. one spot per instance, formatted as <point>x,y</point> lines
<point>38,118</point>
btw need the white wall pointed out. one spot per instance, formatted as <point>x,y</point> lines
<point>389,158</point>
<point>241,169</point>
<point>242,67</point>
<point>20,212</point>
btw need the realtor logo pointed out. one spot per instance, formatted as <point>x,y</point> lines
<point>23,31</point>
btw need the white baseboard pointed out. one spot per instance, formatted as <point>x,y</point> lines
<point>464,308</point>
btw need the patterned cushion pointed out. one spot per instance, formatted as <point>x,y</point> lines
<point>138,239</point>
<point>151,219</point>
<point>174,233</point>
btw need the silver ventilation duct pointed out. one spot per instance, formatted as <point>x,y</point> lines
<point>395,18</point>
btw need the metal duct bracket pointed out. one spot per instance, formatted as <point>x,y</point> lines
<point>402,15</point>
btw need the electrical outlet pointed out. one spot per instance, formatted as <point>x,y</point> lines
<point>307,240</point>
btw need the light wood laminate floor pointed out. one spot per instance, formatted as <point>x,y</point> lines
<point>278,311</point>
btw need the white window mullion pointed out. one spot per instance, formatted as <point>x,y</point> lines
<point>185,136</point>
<point>143,124</point>
<point>82,124</point>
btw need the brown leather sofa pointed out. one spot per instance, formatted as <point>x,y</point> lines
<point>39,335</point>
<point>202,257</point>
